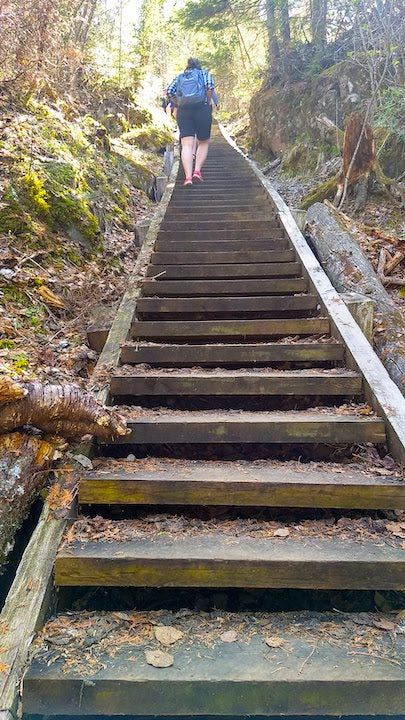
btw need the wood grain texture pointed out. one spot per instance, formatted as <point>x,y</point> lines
<point>276,383</point>
<point>222,561</point>
<point>190,288</point>
<point>245,427</point>
<point>230,485</point>
<point>236,354</point>
<point>238,329</point>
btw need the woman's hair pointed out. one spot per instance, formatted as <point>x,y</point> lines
<point>193,63</point>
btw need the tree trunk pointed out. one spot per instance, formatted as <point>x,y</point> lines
<point>360,164</point>
<point>284,24</point>
<point>319,10</point>
<point>274,50</point>
<point>350,271</point>
<point>359,160</point>
<point>63,410</point>
<point>24,462</point>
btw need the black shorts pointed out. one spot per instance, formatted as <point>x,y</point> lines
<point>195,120</point>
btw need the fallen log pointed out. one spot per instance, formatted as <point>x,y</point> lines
<point>350,271</point>
<point>24,462</point>
<point>63,410</point>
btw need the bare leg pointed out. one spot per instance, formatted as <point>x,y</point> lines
<point>195,145</point>
<point>187,144</point>
<point>202,152</point>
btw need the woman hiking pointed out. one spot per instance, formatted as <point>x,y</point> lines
<point>192,91</point>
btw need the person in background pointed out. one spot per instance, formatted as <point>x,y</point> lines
<point>192,92</point>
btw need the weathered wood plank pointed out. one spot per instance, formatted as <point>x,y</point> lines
<point>229,484</point>
<point>283,383</point>
<point>264,270</point>
<point>222,355</point>
<point>248,288</point>
<point>214,561</point>
<point>278,303</point>
<point>247,427</point>
<point>205,329</point>
<point>218,233</point>
<point>186,246</point>
<point>224,258</point>
<point>240,679</point>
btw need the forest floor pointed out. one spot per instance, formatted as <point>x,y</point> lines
<point>67,219</point>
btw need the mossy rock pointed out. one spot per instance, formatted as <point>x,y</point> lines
<point>115,124</point>
<point>149,137</point>
<point>138,116</point>
<point>300,159</point>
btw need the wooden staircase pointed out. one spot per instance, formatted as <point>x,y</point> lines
<point>233,387</point>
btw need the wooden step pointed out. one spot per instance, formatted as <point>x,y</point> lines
<point>179,201</point>
<point>246,678</point>
<point>216,559</point>
<point>234,329</point>
<point>234,484</point>
<point>231,305</point>
<point>261,270</point>
<point>160,426</point>
<point>220,217</point>
<point>186,246</point>
<point>247,288</point>
<point>127,381</point>
<point>216,234</point>
<point>263,354</point>
<point>218,207</point>
<point>208,225</point>
<point>222,258</point>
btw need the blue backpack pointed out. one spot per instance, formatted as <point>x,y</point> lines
<point>191,88</point>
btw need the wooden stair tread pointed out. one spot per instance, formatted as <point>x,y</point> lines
<point>221,258</point>
<point>129,381</point>
<point>243,678</point>
<point>207,557</point>
<point>228,328</point>
<point>251,270</point>
<point>160,426</point>
<point>228,483</point>
<point>190,246</point>
<point>231,305</point>
<point>187,288</point>
<point>235,354</point>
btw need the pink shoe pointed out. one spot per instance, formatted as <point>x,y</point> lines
<point>188,182</point>
<point>197,177</point>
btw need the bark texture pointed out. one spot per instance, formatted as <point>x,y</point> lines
<point>350,271</point>
<point>24,461</point>
<point>63,410</point>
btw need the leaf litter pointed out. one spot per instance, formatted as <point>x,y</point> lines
<point>87,642</point>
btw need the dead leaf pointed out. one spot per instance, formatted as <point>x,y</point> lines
<point>158,659</point>
<point>281,532</point>
<point>229,636</point>
<point>396,528</point>
<point>400,615</point>
<point>384,624</point>
<point>4,668</point>
<point>49,297</point>
<point>366,410</point>
<point>274,641</point>
<point>167,635</point>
